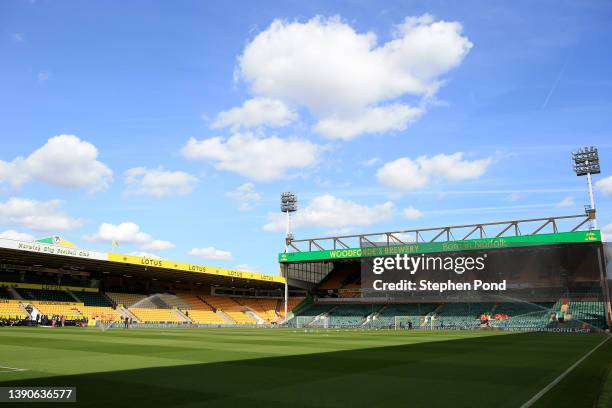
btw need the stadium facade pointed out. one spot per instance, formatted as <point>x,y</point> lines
<point>552,271</point>
<point>50,281</point>
<point>535,274</point>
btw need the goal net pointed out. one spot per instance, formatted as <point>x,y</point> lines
<point>313,322</point>
<point>414,322</point>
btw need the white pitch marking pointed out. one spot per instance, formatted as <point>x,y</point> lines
<point>559,378</point>
<point>4,369</point>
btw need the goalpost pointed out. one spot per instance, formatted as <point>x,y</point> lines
<point>309,321</point>
<point>414,322</point>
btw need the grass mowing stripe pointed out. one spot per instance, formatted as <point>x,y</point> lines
<point>544,390</point>
<point>277,368</point>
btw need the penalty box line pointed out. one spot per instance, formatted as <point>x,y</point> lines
<point>556,381</point>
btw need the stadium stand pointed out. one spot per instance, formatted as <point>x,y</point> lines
<point>265,308</point>
<point>292,303</point>
<point>11,310</point>
<point>193,302</point>
<point>174,301</point>
<point>147,315</point>
<point>230,307</point>
<point>350,315</point>
<point>310,313</point>
<point>93,299</point>
<point>105,314</point>
<point>68,310</point>
<point>460,315</point>
<point>590,312</point>
<point>125,299</point>
<point>386,315</point>
<point>4,294</point>
<point>205,317</point>
<point>43,294</point>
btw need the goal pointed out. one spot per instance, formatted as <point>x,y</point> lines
<point>313,322</point>
<point>414,322</point>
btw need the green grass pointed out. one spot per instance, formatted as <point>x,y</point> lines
<point>283,367</point>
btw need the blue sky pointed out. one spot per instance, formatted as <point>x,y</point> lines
<point>188,119</point>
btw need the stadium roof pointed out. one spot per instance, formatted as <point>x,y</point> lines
<point>78,259</point>
<point>442,239</point>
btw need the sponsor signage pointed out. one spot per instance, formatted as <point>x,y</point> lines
<point>47,286</point>
<point>44,248</point>
<point>448,246</point>
<point>182,266</point>
<point>50,249</point>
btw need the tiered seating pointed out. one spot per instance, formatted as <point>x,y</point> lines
<point>416,311</point>
<point>526,315</point>
<point>42,294</point>
<point>517,309</point>
<point>350,315</point>
<point>291,304</point>
<point>105,314</point>
<point>205,317</point>
<point>463,315</point>
<point>174,301</point>
<point>4,294</point>
<point>310,313</point>
<point>12,310</point>
<point>590,312</point>
<point>62,280</point>
<point>351,290</point>
<point>336,279</point>
<point>265,308</point>
<point>125,299</point>
<point>230,308</point>
<point>70,312</point>
<point>193,302</point>
<point>93,299</point>
<point>146,315</point>
<point>520,315</point>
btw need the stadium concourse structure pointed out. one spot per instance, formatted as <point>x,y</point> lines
<point>52,278</point>
<point>554,268</point>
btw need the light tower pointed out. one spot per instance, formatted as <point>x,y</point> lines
<point>586,162</point>
<point>288,206</point>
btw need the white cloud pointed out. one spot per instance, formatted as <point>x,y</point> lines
<point>371,120</point>
<point>36,215</point>
<point>605,185</point>
<point>43,76</point>
<point>412,213</point>
<point>607,233</point>
<point>408,174</point>
<point>515,196</point>
<point>158,182</point>
<point>158,245</point>
<point>566,202</point>
<point>371,162</point>
<point>16,235</point>
<point>256,112</point>
<point>259,158</point>
<point>211,253</point>
<point>64,161</point>
<point>329,211</point>
<point>343,76</point>
<point>124,233</point>
<point>145,255</point>
<point>404,237</point>
<point>246,267</point>
<point>246,196</point>
<point>127,233</point>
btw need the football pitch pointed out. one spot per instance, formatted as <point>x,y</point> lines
<point>298,368</point>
